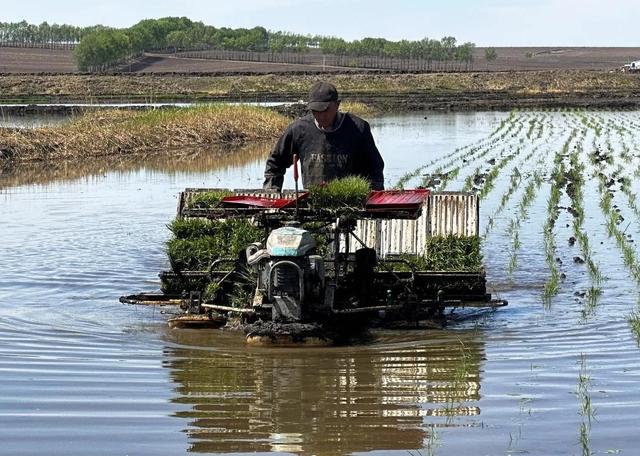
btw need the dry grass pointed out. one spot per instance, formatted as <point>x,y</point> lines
<point>351,86</point>
<point>359,109</point>
<point>120,132</point>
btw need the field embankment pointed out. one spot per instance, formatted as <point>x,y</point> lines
<point>38,60</point>
<point>501,90</point>
<point>122,133</point>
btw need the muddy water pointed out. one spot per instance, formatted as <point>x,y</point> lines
<point>82,374</point>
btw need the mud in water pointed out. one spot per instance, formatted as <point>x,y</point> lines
<point>556,372</point>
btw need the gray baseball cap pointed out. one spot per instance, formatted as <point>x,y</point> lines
<point>321,95</point>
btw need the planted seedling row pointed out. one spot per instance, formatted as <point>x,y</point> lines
<point>459,152</point>
<point>444,177</point>
<point>574,189</point>
<point>552,285</point>
<point>515,181</point>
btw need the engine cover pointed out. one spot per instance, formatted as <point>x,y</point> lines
<point>290,242</point>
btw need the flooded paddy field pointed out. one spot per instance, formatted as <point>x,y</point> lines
<point>555,372</point>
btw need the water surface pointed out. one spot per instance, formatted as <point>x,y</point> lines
<point>82,374</point>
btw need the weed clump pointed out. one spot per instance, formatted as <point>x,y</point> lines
<point>347,192</point>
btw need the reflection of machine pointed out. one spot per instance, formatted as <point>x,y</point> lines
<point>388,397</point>
<point>331,267</point>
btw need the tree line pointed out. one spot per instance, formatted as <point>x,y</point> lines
<point>43,35</point>
<point>99,48</point>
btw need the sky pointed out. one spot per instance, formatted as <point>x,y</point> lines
<point>485,23</point>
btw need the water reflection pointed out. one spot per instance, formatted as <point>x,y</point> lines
<point>384,396</point>
<point>184,161</point>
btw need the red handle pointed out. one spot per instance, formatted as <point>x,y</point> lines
<point>295,167</point>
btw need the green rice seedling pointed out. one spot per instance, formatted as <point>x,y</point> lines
<point>513,231</point>
<point>210,291</point>
<point>208,199</point>
<point>469,181</point>
<point>584,439</point>
<point>188,228</point>
<point>446,253</point>
<point>527,199</point>
<point>454,253</point>
<point>551,286</point>
<point>466,153</point>
<point>583,391</point>
<point>348,192</point>
<point>224,239</point>
<point>448,176</point>
<point>592,296</point>
<point>194,254</point>
<point>633,319</point>
<point>513,263</point>
<point>177,284</point>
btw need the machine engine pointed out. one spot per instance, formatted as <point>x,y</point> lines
<point>290,275</point>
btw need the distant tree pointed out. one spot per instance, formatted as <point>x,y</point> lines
<point>182,33</point>
<point>490,54</point>
<point>464,53</point>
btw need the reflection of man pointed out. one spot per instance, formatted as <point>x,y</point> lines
<point>329,143</point>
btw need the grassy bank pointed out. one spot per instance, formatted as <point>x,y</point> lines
<point>118,132</point>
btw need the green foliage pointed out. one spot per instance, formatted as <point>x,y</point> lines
<point>210,291</point>
<point>102,48</point>
<point>348,192</point>
<point>205,200</point>
<point>445,49</point>
<point>45,34</point>
<point>490,54</point>
<point>448,253</point>
<point>182,33</point>
<point>176,284</point>
<point>189,228</point>
<point>201,242</point>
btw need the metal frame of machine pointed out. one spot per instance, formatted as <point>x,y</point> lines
<point>363,276</point>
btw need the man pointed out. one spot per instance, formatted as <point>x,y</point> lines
<point>330,144</point>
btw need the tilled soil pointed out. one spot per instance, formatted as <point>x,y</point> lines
<point>439,91</point>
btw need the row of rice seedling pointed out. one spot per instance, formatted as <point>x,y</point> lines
<point>490,179</point>
<point>466,154</point>
<point>613,220</point>
<point>474,155</point>
<point>552,284</point>
<point>460,152</point>
<point>574,189</point>
<point>587,411</point>
<point>530,192</point>
<point>515,180</point>
<point>535,181</point>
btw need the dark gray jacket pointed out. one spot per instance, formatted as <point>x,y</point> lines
<point>349,150</point>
